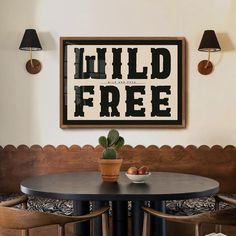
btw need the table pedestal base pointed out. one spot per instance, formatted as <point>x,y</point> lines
<point>120,218</point>
<point>97,222</point>
<point>81,208</point>
<point>158,226</point>
<point>137,218</point>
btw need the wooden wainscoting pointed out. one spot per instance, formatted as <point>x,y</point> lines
<point>19,163</point>
<point>215,162</point>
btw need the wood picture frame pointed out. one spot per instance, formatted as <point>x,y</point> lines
<point>135,82</point>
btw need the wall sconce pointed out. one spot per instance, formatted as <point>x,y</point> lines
<point>209,43</point>
<point>30,42</point>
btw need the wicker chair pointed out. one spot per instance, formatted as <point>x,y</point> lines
<point>22,219</point>
<point>221,217</point>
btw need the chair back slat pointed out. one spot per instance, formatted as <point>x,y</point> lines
<point>222,217</point>
<point>13,218</point>
<point>229,200</point>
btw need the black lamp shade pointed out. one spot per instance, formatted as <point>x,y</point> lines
<point>209,42</point>
<point>30,41</point>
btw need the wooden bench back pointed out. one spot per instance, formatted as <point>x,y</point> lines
<point>19,163</point>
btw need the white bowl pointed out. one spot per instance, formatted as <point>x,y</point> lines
<point>137,179</point>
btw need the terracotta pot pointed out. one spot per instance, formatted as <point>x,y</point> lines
<point>110,169</point>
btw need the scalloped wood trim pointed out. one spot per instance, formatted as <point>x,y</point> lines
<point>76,147</point>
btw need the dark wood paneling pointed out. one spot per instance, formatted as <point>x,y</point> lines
<point>19,163</point>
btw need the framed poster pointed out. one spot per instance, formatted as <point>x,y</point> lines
<point>122,82</point>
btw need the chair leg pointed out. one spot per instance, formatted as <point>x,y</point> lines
<point>24,205</point>
<point>197,230</point>
<point>105,225</point>
<point>217,204</point>
<point>25,232</point>
<point>61,230</point>
<point>218,228</point>
<point>146,224</point>
<point>217,208</point>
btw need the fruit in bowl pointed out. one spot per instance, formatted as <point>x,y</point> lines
<point>138,175</point>
<point>143,170</point>
<point>132,170</point>
<point>137,171</point>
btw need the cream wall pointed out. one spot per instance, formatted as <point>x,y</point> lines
<point>29,104</point>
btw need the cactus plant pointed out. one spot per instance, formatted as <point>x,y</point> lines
<point>111,144</point>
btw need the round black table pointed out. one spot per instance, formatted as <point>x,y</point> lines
<point>83,187</point>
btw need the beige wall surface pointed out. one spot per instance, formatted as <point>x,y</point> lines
<point>29,104</point>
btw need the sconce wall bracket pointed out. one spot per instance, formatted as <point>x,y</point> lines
<point>30,42</point>
<point>205,67</point>
<point>33,67</point>
<point>209,43</point>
